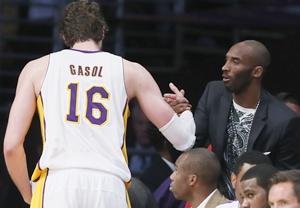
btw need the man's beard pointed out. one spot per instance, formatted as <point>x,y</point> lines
<point>240,82</point>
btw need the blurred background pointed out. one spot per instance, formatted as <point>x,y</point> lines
<point>183,41</point>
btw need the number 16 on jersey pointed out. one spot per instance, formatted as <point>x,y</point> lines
<point>96,113</point>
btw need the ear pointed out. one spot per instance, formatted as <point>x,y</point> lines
<point>63,39</point>
<point>192,179</point>
<point>258,72</point>
<point>103,34</point>
<point>233,179</point>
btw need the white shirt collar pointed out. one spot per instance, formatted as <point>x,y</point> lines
<point>204,202</point>
<point>243,109</point>
<point>232,204</point>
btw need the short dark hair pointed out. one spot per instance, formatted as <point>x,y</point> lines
<point>204,164</point>
<point>262,173</point>
<point>251,157</point>
<point>292,176</point>
<point>82,20</point>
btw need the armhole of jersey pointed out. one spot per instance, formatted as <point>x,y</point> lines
<point>47,70</point>
<point>124,83</point>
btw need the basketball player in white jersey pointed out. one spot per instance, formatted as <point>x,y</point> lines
<point>82,96</point>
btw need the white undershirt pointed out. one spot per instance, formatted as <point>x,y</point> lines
<point>243,109</point>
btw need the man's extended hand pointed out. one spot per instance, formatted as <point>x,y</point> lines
<point>177,100</point>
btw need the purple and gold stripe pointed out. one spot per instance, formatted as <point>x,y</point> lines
<point>39,175</point>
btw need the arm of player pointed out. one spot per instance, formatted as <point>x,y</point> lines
<point>179,130</point>
<point>19,121</point>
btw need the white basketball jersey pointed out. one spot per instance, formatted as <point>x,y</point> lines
<point>82,106</point>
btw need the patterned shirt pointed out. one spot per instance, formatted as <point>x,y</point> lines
<point>238,131</point>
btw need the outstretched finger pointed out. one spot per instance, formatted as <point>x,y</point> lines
<point>175,89</point>
<point>182,91</point>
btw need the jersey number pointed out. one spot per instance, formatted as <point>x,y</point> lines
<point>92,107</point>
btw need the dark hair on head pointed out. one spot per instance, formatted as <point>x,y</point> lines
<point>262,173</point>
<point>252,158</point>
<point>288,97</point>
<point>204,164</point>
<point>292,176</point>
<point>82,20</point>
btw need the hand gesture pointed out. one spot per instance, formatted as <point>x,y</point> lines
<point>177,100</point>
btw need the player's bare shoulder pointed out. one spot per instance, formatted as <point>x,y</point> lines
<point>133,67</point>
<point>137,79</point>
<point>36,70</point>
<point>133,74</point>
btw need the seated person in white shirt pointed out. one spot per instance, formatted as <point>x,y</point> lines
<point>244,162</point>
<point>254,186</point>
<point>196,177</point>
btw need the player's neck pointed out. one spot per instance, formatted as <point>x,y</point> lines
<point>248,100</point>
<point>89,45</point>
<point>249,97</point>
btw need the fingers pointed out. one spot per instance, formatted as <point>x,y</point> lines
<point>182,92</point>
<point>175,89</point>
<point>182,107</point>
<point>178,100</point>
<point>170,96</point>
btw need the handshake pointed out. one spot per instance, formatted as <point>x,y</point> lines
<point>176,100</point>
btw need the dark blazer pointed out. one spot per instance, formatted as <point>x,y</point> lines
<point>275,128</point>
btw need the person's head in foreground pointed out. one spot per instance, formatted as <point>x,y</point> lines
<point>254,186</point>
<point>196,175</point>
<point>285,189</point>
<point>246,161</point>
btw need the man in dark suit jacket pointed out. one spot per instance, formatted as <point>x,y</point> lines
<point>274,130</point>
<point>236,115</point>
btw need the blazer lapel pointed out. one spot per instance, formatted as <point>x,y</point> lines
<point>258,122</point>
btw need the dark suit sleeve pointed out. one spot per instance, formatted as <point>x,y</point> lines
<point>288,155</point>
<point>201,119</point>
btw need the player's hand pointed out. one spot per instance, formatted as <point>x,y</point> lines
<point>177,100</point>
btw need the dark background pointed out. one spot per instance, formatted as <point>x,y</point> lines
<point>176,40</point>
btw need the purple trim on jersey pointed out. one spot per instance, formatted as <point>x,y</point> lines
<point>125,129</point>
<point>84,51</point>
